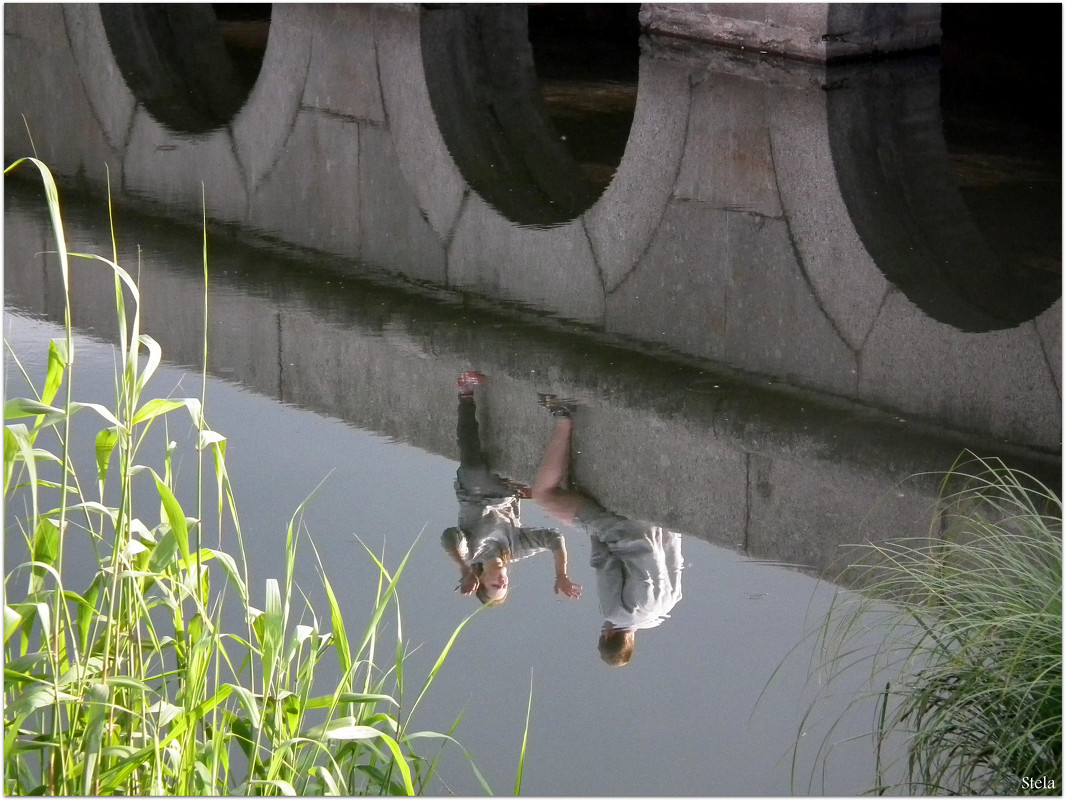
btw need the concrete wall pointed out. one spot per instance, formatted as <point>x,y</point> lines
<point>728,234</point>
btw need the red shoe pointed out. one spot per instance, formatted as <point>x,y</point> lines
<point>468,380</point>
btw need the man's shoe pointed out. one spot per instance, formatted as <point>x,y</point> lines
<point>553,404</point>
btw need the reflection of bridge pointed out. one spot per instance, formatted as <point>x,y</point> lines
<point>741,226</point>
<point>732,464</point>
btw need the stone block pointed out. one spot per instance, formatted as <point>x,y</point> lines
<point>40,76</point>
<point>845,281</point>
<point>747,26</point>
<point>623,219</point>
<point>342,75</point>
<point>1049,328</point>
<point>677,295</point>
<point>727,161</point>
<point>813,31</point>
<point>180,171</point>
<point>112,102</point>
<point>320,159</point>
<point>551,269</point>
<point>265,122</point>
<point>775,325</point>
<point>396,235</point>
<point>423,156</point>
<point>998,382</point>
<point>725,286</point>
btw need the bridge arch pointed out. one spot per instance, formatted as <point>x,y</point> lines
<point>242,147</point>
<point>439,170</point>
<point>178,64</point>
<point>898,182</point>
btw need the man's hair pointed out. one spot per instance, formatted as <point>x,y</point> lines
<point>616,647</point>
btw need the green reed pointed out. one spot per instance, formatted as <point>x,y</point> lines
<point>133,685</point>
<point>967,661</point>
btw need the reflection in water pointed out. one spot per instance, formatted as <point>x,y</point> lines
<point>490,535</point>
<point>721,257</point>
<point>638,564</point>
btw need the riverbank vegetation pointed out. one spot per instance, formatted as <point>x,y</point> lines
<point>139,683</point>
<point>966,657</point>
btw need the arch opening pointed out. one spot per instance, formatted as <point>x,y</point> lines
<point>192,66</point>
<point>535,122</point>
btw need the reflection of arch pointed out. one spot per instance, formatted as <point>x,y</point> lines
<point>483,88</point>
<point>175,61</point>
<point>896,180</point>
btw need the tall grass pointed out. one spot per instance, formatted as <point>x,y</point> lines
<point>133,685</point>
<point>968,652</point>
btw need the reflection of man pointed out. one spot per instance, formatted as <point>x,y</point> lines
<point>490,535</point>
<point>638,564</point>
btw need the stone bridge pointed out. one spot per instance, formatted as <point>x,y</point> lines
<point>771,217</point>
<point>780,207</point>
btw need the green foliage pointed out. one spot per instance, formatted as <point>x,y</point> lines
<point>968,657</point>
<point>132,685</point>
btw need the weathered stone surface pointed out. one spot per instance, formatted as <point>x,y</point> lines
<point>775,325</point>
<point>845,281</point>
<point>552,269</point>
<point>741,25</point>
<point>622,221</point>
<point>262,127</point>
<point>728,162</point>
<point>726,286</point>
<point>395,233</point>
<point>72,142</point>
<point>320,160</point>
<point>424,159</point>
<point>1049,327</point>
<point>189,167</point>
<point>112,102</point>
<point>854,29</point>
<point>998,382</point>
<point>813,31</point>
<point>678,294</point>
<point>342,75</point>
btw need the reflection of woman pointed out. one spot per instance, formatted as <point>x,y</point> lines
<point>638,564</point>
<point>490,534</point>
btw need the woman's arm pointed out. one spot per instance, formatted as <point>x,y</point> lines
<point>450,541</point>
<point>563,584</point>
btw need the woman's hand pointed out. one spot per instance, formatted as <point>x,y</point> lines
<point>564,585</point>
<point>468,583</point>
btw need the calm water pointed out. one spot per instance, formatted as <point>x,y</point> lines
<point>747,370</point>
<point>684,709</point>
